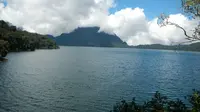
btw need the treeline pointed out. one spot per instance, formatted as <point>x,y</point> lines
<point>191,47</point>
<point>13,39</point>
<point>160,103</point>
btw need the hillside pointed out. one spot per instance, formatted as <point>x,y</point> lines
<point>13,39</point>
<point>89,36</point>
<point>191,47</point>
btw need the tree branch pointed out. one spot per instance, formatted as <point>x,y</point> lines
<point>185,32</point>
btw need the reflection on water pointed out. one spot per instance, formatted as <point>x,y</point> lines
<point>81,79</point>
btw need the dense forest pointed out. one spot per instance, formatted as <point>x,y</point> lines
<point>89,36</point>
<point>190,47</point>
<point>14,39</point>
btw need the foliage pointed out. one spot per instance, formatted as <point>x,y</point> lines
<point>3,48</point>
<point>160,103</point>
<point>191,7</point>
<point>194,99</point>
<point>15,39</point>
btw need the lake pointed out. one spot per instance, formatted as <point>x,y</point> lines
<point>89,79</point>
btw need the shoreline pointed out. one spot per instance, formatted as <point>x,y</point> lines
<point>3,59</point>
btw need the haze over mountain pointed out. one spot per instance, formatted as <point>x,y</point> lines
<point>190,47</point>
<point>89,36</point>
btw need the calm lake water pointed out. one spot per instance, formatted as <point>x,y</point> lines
<point>81,79</point>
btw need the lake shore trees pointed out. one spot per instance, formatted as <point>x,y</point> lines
<point>13,39</point>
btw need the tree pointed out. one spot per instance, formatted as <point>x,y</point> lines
<point>191,8</point>
<point>160,103</point>
<point>13,38</point>
<point>194,99</point>
<point>4,47</point>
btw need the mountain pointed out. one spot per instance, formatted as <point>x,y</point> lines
<point>89,36</point>
<point>51,37</point>
<point>13,39</point>
<point>190,47</point>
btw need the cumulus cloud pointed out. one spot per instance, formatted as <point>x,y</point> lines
<point>2,2</point>
<point>52,16</point>
<point>132,26</point>
<point>126,22</point>
<point>166,35</point>
<point>58,16</point>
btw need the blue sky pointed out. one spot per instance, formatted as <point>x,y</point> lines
<point>4,2</point>
<point>152,8</point>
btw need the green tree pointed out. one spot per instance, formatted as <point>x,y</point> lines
<point>194,99</point>
<point>16,39</point>
<point>191,7</point>
<point>160,103</point>
<point>4,48</point>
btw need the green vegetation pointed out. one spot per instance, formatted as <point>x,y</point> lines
<point>191,47</point>
<point>160,103</point>
<point>13,39</point>
<point>191,7</point>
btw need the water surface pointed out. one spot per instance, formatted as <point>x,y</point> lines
<point>82,79</point>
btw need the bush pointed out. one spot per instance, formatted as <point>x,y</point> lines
<point>15,39</point>
<point>160,103</point>
<point>4,48</point>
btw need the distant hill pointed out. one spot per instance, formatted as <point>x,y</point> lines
<point>13,39</point>
<point>89,36</point>
<point>191,47</point>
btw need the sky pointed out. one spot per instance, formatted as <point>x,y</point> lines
<point>151,9</point>
<point>4,2</point>
<point>134,21</point>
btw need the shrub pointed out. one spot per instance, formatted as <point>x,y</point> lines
<point>160,103</point>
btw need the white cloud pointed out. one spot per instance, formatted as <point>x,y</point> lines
<point>132,26</point>
<point>52,16</point>
<point>126,22</point>
<point>1,4</point>
<point>58,16</point>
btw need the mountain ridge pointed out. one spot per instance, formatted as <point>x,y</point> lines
<point>89,36</point>
<point>190,47</point>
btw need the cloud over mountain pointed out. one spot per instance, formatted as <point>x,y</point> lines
<point>58,16</point>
